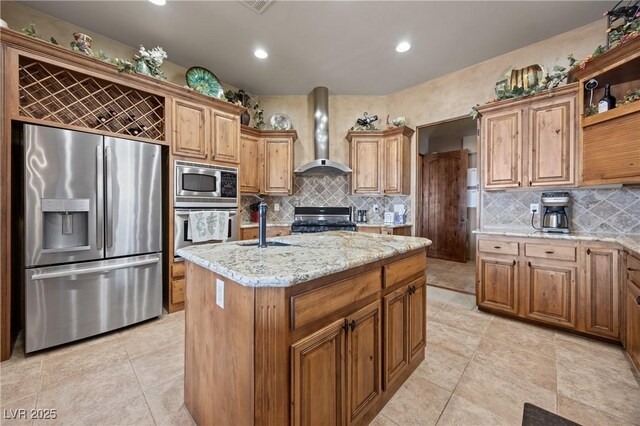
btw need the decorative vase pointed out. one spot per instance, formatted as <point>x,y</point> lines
<point>245,118</point>
<point>142,67</point>
<point>83,43</point>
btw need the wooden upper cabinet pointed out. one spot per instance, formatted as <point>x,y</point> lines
<point>552,142</point>
<point>318,377</point>
<point>530,142</point>
<point>191,129</point>
<point>225,137</point>
<point>277,160</point>
<point>392,163</point>
<point>365,161</point>
<point>550,294</point>
<point>249,164</point>
<point>498,284</point>
<point>502,149</point>
<point>364,361</point>
<point>602,292</point>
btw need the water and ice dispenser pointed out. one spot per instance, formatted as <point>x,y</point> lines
<point>65,224</point>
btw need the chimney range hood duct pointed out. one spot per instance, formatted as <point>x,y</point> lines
<point>322,165</point>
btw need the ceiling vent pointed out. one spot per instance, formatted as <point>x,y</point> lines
<point>258,6</point>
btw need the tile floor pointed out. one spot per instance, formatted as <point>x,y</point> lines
<point>452,275</point>
<point>479,370</point>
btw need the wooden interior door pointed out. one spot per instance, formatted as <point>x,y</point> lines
<point>444,204</point>
<point>364,368</point>
<point>317,377</point>
<point>550,294</point>
<point>552,140</point>
<point>225,138</point>
<point>498,284</point>
<point>396,333</point>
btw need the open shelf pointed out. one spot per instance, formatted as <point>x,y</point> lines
<point>611,114</point>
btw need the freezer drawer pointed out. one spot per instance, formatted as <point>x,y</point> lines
<point>71,302</point>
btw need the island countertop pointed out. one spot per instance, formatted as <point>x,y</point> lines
<point>309,256</point>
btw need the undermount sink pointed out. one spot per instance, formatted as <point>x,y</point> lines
<point>269,244</point>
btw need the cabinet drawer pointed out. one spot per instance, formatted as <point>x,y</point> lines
<point>404,269</point>
<point>177,291</point>
<point>177,270</point>
<point>633,268</point>
<point>319,303</point>
<point>249,233</point>
<point>498,247</point>
<point>278,231</point>
<point>552,252</point>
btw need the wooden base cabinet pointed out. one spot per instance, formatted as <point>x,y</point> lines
<point>632,310</point>
<point>497,284</point>
<point>550,294</point>
<point>602,291</point>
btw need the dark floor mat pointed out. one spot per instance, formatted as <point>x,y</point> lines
<point>536,416</point>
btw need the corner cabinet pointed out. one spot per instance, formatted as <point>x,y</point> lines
<point>530,142</point>
<point>266,161</point>
<point>381,161</point>
<point>205,133</point>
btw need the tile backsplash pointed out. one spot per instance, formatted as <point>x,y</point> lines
<point>593,210</point>
<point>323,191</point>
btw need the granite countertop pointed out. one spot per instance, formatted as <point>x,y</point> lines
<point>269,224</point>
<point>309,256</point>
<point>631,242</point>
<point>383,225</point>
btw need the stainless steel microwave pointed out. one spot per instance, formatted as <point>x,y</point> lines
<point>205,185</point>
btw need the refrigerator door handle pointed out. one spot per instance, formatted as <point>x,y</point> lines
<point>93,270</point>
<point>99,197</point>
<point>109,196</point>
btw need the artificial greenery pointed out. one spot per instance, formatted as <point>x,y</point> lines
<point>623,33</point>
<point>248,101</point>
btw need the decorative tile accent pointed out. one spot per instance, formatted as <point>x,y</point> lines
<point>324,191</point>
<point>593,210</point>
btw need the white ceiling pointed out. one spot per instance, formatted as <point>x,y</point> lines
<point>348,46</point>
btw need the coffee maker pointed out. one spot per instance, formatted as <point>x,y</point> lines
<point>556,212</point>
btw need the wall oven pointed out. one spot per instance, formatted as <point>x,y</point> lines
<point>181,226</point>
<point>205,185</point>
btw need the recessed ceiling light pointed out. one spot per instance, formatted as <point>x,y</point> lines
<point>403,46</point>
<point>158,2</point>
<point>261,53</point>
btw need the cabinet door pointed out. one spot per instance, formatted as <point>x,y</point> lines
<point>278,166</point>
<point>191,130</point>
<point>249,164</point>
<point>392,165</point>
<point>365,161</point>
<point>417,318</point>
<point>497,286</point>
<point>396,335</point>
<point>550,294</point>
<point>364,368</point>
<point>552,142</point>
<point>502,149</point>
<point>226,137</point>
<point>317,377</point>
<point>633,323</point>
<point>601,290</point>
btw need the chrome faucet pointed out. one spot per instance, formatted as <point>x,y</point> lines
<point>262,222</point>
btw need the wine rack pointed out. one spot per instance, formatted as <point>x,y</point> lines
<point>58,95</point>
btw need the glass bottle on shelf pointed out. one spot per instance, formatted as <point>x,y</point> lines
<point>607,102</point>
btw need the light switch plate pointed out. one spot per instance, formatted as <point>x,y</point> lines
<point>220,293</point>
<point>534,207</point>
<point>276,207</point>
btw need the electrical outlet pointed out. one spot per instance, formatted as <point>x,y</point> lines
<point>534,207</point>
<point>276,207</point>
<point>376,208</point>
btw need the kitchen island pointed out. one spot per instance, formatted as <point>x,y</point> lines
<point>322,329</point>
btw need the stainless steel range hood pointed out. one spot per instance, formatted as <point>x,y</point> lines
<point>322,165</point>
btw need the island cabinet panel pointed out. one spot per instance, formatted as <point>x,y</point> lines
<point>364,357</point>
<point>191,129</point>
<point>404,270</point>
<point>417,313</point>
<point>249,164</point>
<point>396,335</point>
<point>602,292</point>
<point>225,137</point>
<point>502,149</point>
<point>550,294</point>
<point>498,284</point>
<point>318,378</point>
<point>552,142</point>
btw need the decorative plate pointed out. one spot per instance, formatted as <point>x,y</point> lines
<point>280,122</point>
<point>204,81</point>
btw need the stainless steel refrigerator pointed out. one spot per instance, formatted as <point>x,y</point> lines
<point>92,234</point>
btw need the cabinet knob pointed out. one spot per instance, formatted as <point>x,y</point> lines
<point>497,247</point>
<point>588,251</point>
<point>345,326</point>
<point>519,183</point>
<point>549,251</point>
<point>638,300</point>
<point>530,183</point>
<point>514,263</point>
<point>529,263</point>
<point>352,325</point>
<point>632,270</point>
